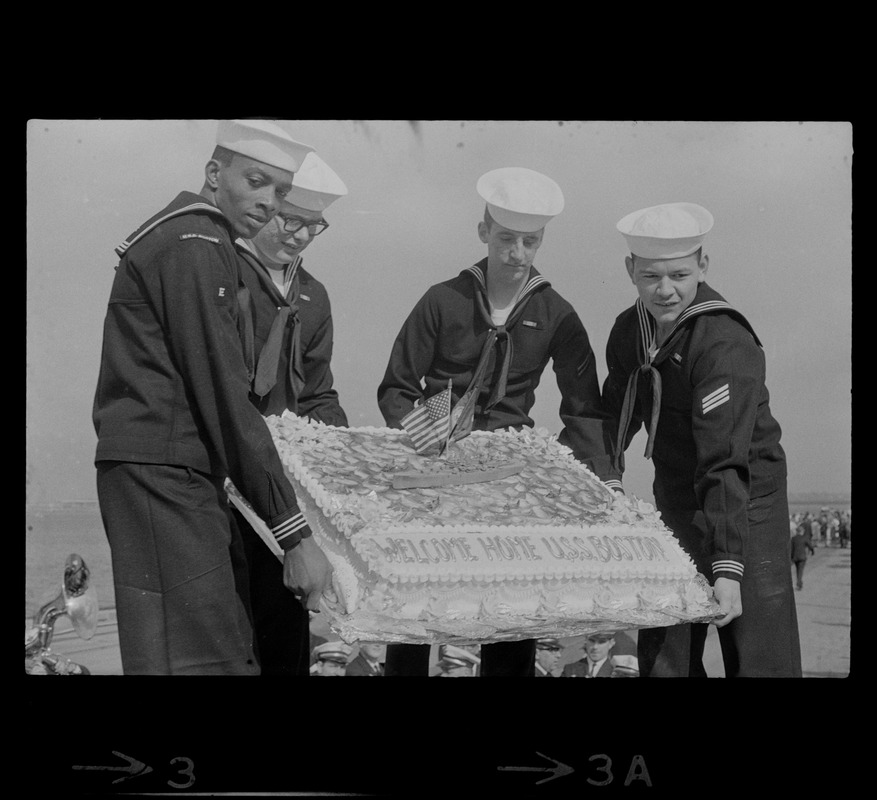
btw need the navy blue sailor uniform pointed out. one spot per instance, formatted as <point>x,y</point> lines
<point>720,476</point>
<point>288,350</point>
<point>444,338</point>
<point>173,420</point>
<point>288,342</point>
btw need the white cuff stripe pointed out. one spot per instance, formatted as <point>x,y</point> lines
<point>728,566</point>
<point>289,527</point>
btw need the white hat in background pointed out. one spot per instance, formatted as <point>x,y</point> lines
<point>263,141</point>
<point>671,230</point>
<point>451,656</point>
<point>624,666</point>
<point>520,199</point>
<point>316,185</point>
<point>338,652</point>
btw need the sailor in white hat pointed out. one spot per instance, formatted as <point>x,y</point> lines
<point>287,331</point>
<point>667,242</point>
<point>690,367</point>
<point>330,659</point>
<point>520,199</point>
<point>672,230</point>
<point>251,172</point>
<point>262,141</point>
<point>174,419</point>
<point>279,245</point>
<point>491,331</point>
<point>519,203</point>
<point>291,315</point>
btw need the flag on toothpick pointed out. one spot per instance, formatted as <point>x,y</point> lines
<point>462,416</point>
<point>430,423</point>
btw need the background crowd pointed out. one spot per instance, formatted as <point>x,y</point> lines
<point>830,527</point>
<point>809,530</point>
<point>605,654</point>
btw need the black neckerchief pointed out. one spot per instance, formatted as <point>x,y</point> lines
<point>269,358</point>
<point>706,301</point>
<point>499,334</point>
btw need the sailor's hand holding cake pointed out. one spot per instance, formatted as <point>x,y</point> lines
<point>307,572</point>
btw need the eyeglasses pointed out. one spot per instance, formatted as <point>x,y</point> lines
<point>294,224</point>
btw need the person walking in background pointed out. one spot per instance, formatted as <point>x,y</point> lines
<point>491,331</point>
<point>690,366</point>
<point>845,529</point>
<point>801,546</point>
<point>804,528</point>
<point>174,420</point>
<point>287,334</point>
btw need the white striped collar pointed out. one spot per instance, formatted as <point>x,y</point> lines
<point>123,248</point>
<point>648,328</point>
<point>534,281</point>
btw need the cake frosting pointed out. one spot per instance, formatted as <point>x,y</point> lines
<point>546,551</point>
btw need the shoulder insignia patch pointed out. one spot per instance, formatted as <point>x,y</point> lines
<point>213,239</point>
<point>716,398</point>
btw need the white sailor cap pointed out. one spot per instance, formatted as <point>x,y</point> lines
<point>263,141</point>
<point>520,199</point>
<point>671,230</point>
<point>316,185</point>
<point>333,651</point>
<point>450,656</point>
<point>624,666</point>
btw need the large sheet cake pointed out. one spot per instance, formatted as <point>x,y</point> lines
<point>504,537</point>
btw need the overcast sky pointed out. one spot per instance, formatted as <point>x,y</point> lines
<point>780,252</point>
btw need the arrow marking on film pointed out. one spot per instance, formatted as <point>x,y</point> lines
<point>558,769</point>
<point>135,767</point>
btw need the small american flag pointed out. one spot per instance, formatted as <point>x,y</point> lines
<point>430,422</point>
<point>463,416</point>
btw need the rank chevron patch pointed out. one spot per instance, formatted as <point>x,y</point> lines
<point>716,398</point>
